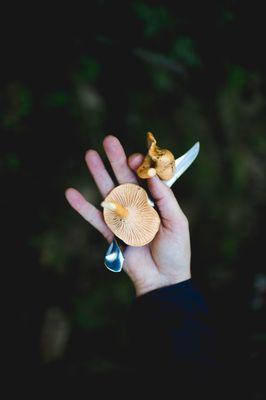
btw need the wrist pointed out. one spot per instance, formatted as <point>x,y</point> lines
<point>147,287</point>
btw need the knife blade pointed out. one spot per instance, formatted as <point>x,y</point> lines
<point>181,165</point>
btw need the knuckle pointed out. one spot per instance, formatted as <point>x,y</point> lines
<point>120,161</point>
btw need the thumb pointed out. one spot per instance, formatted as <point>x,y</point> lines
<point>170,211</point>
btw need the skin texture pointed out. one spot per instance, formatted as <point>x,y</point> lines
<point>164,261</point>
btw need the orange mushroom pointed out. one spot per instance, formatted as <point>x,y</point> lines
<point>129,215</point>
<point>157,161</point>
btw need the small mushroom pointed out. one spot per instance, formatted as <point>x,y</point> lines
<point>129,215</point>
<point>145,171</point>
<point>157,161</point>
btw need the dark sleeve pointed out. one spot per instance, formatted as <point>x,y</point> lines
<point>172,337</point>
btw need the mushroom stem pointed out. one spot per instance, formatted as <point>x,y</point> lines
<point>151,172</point>
<point>121,211</point>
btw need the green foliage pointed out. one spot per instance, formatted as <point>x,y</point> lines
<point>57,99</point>
<point>18,104</point>
<point>156,18</point>
<point>87,71</point>
<point>170,78</point>
<point>237,77</point>
<point>11,162</point>
<point>184,51</point>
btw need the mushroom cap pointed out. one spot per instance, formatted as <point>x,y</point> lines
<point>141,224</point>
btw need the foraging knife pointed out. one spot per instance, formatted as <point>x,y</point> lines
<point>114,258</point>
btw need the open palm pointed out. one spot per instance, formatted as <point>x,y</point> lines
<point>164,261</point>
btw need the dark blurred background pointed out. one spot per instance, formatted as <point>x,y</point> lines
<point>186,71</point>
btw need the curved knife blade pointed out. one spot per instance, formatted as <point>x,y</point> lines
<point>181,165</point>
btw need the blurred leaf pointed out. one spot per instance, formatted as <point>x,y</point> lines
<point>17,104</point>
<point>237,77</point>
<point>229,246</point>
<point>159,60</point>
<point>184,50</point>
<point>156,18</point>
<point>57,99</point>
<point>12,161</point>
<point>88,70</point>
<point>162,80</point>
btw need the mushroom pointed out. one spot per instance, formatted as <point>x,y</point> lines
<point>129,215</point>
<point>157,161</point>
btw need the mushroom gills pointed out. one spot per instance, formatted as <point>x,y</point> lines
<point>129,215</point>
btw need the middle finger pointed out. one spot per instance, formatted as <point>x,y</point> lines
<point>99,173</point>
<point>118,160</point>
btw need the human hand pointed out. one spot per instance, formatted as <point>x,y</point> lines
<point>164,261</point>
